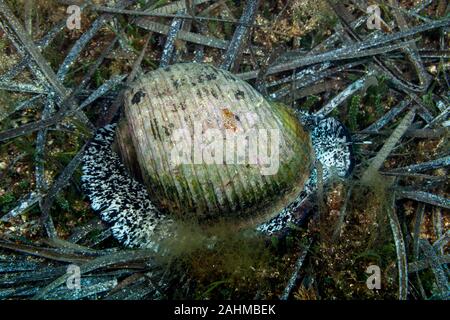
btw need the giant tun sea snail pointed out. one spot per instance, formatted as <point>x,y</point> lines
<point>194,142</point>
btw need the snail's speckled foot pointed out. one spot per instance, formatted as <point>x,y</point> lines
<point>121,201</point>
<point>333,150</point>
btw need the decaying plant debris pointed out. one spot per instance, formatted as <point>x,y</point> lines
<point>390,86</point>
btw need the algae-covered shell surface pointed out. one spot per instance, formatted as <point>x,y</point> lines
<point>208,145</point>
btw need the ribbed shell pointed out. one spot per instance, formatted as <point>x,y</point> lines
<point>192,96</point>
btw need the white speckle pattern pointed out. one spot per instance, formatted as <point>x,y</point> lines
<point>121,201</point>
<point>136,222</point>
<point>332,146</point>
